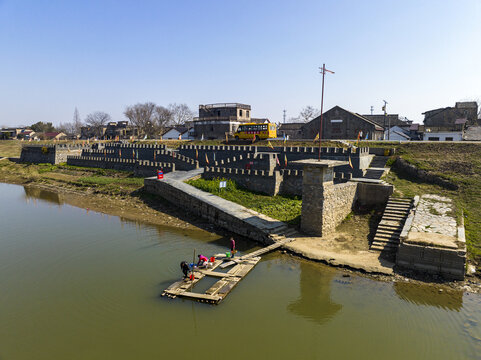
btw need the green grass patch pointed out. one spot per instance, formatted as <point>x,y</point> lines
<point>283,208</point>
<point>45,168</point>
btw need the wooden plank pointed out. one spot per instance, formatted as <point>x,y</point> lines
<point>216,274</point>
<point>198,296</point>
<point>216,287</point>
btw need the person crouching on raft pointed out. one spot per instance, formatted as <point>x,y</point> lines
<point>185,269</point>
<point>203,261</point>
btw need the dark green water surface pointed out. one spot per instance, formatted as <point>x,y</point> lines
<point>75,284</point>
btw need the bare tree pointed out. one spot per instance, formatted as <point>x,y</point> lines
<point>308,113</point>
<point>162,118</point>
<point>76,122</point>
<point>181,113</point>
<point>67,128</point>
<point>98,120</point>
<point>142,116</point>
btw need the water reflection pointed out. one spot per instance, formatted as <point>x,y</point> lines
<point>315,301</point>
<point>419,294</point>
<point>35,193</point>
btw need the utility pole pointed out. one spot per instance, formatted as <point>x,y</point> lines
<point>323,72</point>
<point>384,109</point>
<point>284,116</point>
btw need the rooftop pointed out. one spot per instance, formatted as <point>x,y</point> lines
<point>225,105</point>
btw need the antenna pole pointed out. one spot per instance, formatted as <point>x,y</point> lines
<point>323,72</point>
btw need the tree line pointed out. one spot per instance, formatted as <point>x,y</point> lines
<point>149,118</point>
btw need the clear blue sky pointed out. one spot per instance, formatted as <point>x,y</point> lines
<point>104,55</point>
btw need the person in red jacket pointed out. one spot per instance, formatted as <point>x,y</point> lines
<point>203,261</point>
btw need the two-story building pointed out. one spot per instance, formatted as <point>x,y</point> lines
<point>217,120</point>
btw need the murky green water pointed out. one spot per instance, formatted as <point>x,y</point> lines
<point>80,285</point>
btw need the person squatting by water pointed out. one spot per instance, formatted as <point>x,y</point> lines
<point>203,261</point>
<point>185,269</point>
<point>232,247</point>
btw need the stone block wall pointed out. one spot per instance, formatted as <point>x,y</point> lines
<point>360,157</point>
<point>53,154</point>
<point>373,194</point>
<point>195,205</point>
<point>338,201</point>
<point>181,162</point>
<point>447,262</point>
<point>291,182</point>
<point>139,168</point>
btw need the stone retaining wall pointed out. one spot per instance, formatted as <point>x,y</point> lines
<point>142,168</point>
<point>196,202</point>
<point>447,262</point>
<point>338,202</point>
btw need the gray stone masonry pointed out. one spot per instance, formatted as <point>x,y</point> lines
<point>142,168</point>
<point>432,241</point>
<point>53,154</point>
<point>324,205</point>
<point>360,157</point>
<point>218,211</point>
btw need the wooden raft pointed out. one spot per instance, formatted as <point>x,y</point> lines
<point>217,292</point>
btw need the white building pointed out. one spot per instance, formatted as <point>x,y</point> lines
<point>397,134</point>
<point>443,136</point>
<point>178,133</point>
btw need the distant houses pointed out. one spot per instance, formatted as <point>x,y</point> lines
<point>179,133</point>
<point>450,123</point>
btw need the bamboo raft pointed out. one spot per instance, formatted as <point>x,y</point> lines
<point>217,292</point>
<point>227,281</point>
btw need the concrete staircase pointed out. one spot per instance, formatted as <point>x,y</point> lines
<point>389,229</point>
<point>377,168</point>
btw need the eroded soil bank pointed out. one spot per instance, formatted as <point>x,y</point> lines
<point>119,194</point>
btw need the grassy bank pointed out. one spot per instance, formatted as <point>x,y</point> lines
<point>287,209</point>
<point>459,163</point>
<point>108,182</point>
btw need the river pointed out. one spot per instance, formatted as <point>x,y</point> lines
<point>77,284</point>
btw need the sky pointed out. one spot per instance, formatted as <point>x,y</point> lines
<point>105,55</point>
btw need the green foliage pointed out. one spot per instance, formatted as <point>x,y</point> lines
<point>287,209</point>
<point>41,127</point>
<point>45,168</point>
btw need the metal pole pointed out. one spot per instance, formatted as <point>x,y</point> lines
<point>322,103</point>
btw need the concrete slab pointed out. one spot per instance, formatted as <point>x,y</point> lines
<point>431,239</point>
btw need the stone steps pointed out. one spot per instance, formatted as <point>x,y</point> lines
<point>386,239</point>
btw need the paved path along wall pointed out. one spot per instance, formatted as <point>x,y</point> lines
<point>228,215</point>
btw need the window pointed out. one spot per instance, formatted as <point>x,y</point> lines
<point>240,113</point>
<point>433,138</point>
<point>449,139</point>
<point>218,112</point>
<point>247,113</point>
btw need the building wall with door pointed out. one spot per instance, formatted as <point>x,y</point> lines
<point>338,123</point>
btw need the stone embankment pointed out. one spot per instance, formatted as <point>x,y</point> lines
<point>218,211</point>
<point>258,227</point>
<point>431,240</point>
